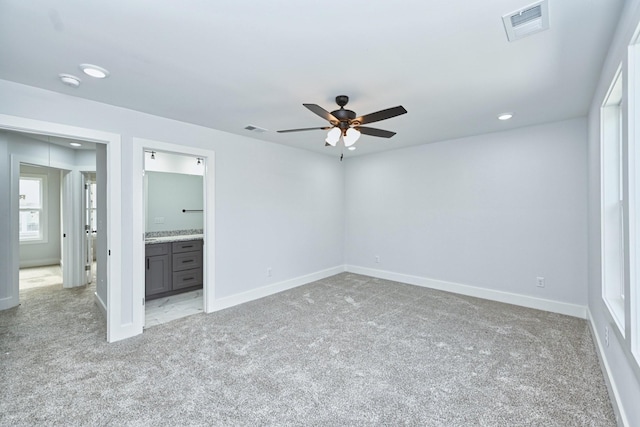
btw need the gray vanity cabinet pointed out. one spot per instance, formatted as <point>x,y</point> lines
<point>172,268</point>
<point>187,264</point>
<point>157,279</point>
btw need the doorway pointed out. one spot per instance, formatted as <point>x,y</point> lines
<point>39,222</point>
<point>206,157</point>
<point>118,324</point>
<point>174,236</point>
<point>56,180</point>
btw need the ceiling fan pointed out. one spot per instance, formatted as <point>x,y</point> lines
<point>344,123</point>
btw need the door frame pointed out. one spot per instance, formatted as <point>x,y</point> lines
<point>208,189</point>
<point>116,329</point>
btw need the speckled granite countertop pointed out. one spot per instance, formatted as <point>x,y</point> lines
<point>172,236</point>
<point>168,239</point>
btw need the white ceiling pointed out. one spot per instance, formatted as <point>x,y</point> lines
<point>228,64</point>
<point>63,142</point>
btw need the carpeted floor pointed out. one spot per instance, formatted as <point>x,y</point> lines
<point>347,350</point>
<point>36,277</point>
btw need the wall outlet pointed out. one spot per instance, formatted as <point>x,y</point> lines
<point>377,259</point>
<point>269,272</point>
<point>540,282</point>
<point>606,336</point>
<point>158,220</point>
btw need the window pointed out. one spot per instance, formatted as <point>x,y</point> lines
<point>32,202</point>
<point>633,114</point>
<point>613,201</point>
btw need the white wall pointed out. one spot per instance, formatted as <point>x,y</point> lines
<point>169,162</point>
<point>492,211</point>
<point>6,273</point>
<point>101,244</point>
<point>276,206</point>
<point>167,194</point>
<point>623,371</point>
<point>47,253</point>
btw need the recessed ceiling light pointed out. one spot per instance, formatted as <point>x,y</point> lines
<point>69,80</point>
<point>75,144</point>
<point>94,71</point>
<point>351,148</point>
<point>505,116</point>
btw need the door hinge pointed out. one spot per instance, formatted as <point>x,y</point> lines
<point>109,252</point>
<point>142,301</point>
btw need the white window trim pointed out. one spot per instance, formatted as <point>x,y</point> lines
<point>612,233</point>
<point>44,217</point>
<point>633,129</point>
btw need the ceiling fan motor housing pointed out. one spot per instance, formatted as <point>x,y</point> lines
<point>344,117</point>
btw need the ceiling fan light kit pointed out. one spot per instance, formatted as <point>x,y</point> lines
<point>346,124</point>
<point>350,137</point>
<point>333,136</point>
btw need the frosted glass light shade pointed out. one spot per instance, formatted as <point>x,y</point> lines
<point>351,137</point>
<point>333,136</point>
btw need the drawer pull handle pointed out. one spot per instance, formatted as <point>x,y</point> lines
<point>188,278</point>
<point>187,246</point>
<point>187,261</point>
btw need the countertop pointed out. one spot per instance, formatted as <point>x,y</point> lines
<point>170,239</point>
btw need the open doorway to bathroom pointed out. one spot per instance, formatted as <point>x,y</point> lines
<point>174,236</point>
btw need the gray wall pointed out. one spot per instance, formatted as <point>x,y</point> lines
<point>493,211</point>
<point>48,253</point>
<point>166,195</point>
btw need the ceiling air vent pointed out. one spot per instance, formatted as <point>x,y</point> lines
<point>529,20</point>
<point>256,129</point>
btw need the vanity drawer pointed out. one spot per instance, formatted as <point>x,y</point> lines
<point>157,249</point>
<point>187,278</point>
<point>187,246</point>
<point>187,260</point>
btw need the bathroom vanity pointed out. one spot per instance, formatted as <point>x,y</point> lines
<point>173,265</point>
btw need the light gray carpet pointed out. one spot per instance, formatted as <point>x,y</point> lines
<point>347,350</point>
<point>36,277</point>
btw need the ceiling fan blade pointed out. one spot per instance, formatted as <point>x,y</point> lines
<point>321,112</point>
<point>375,132</point>
<point>303,129</point>
<point>381,115</point>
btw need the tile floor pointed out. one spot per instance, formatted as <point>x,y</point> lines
<point>163,310</point>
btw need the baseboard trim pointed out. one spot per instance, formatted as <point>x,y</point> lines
<point>101,305</point>
<point>40,263</point>
<point>608,377</point>
<point>254,294</point>
<point>474,291</point>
